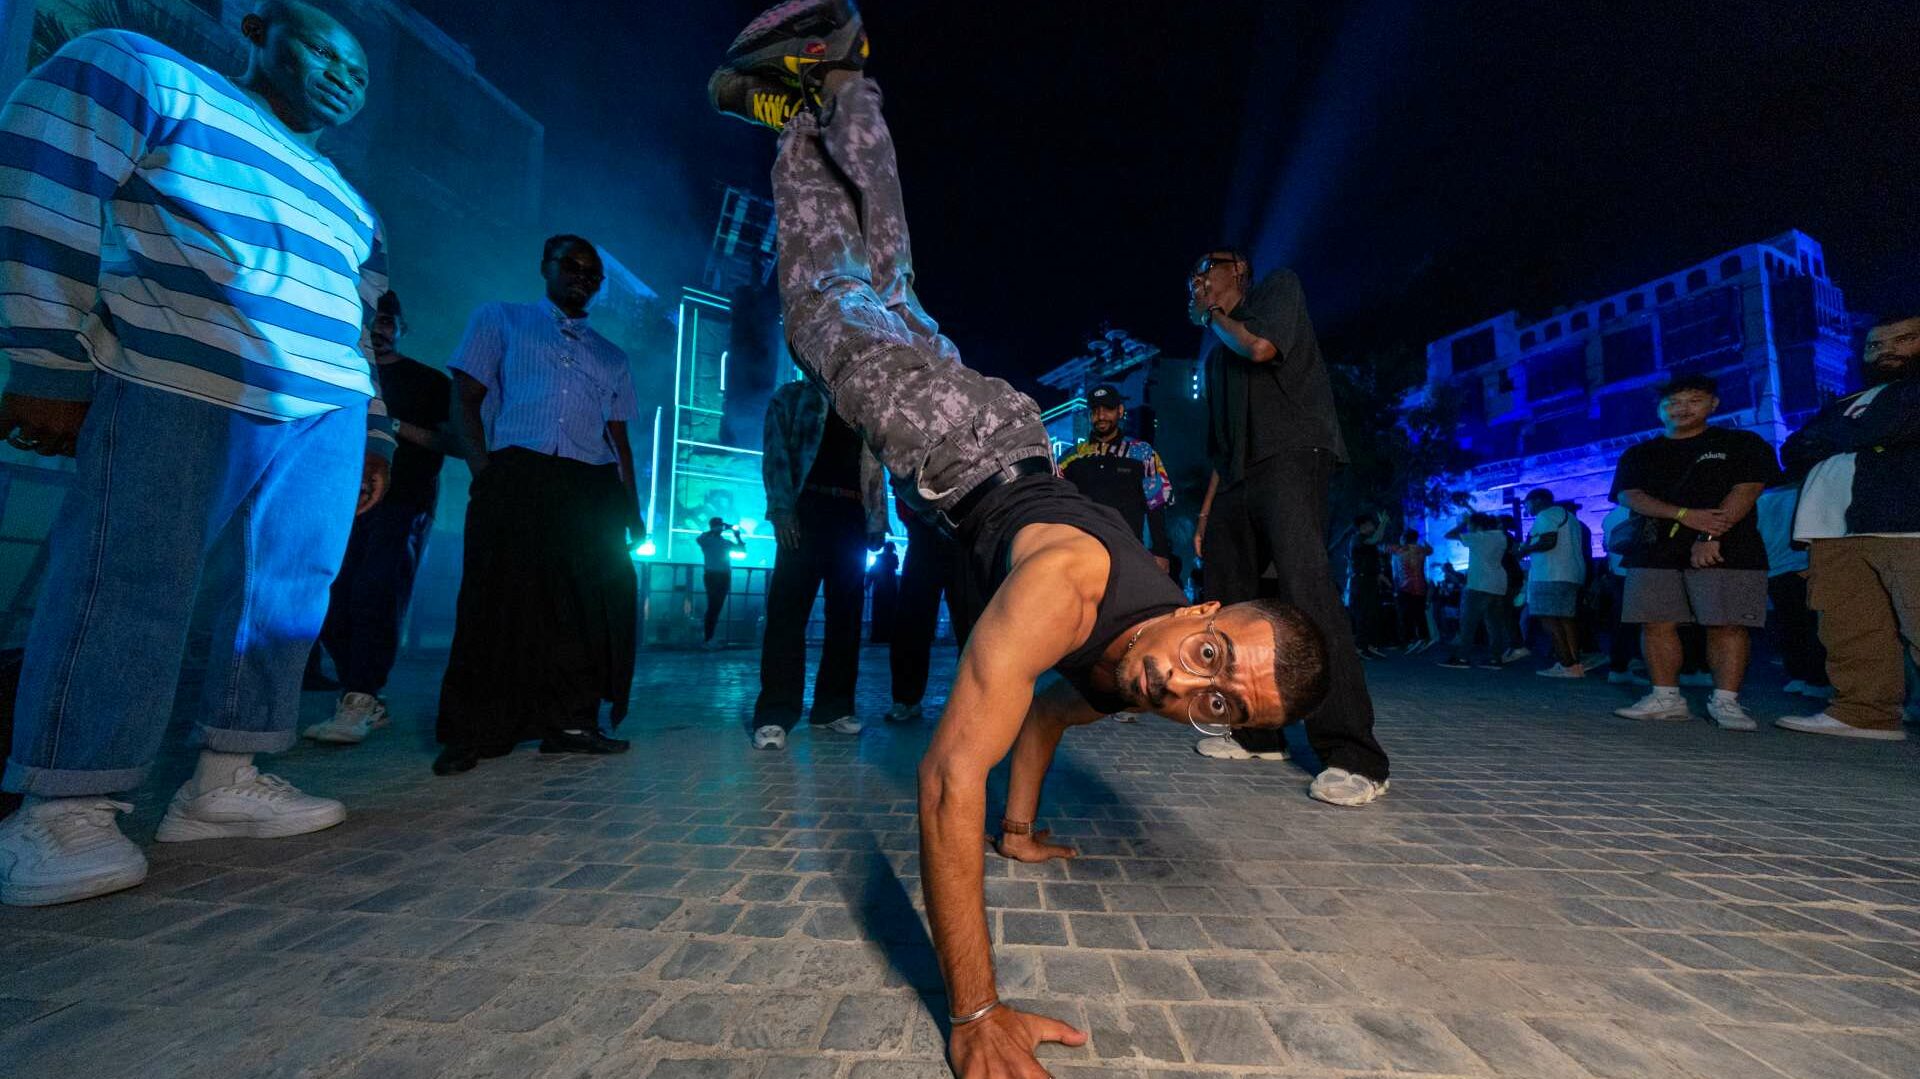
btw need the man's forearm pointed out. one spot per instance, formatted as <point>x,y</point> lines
<point>1032,755</point>
<point>472,432</point>
<point>953,810</point>
<point>445,443</point>
<point>1646,505</point>
<point>1244,342</point>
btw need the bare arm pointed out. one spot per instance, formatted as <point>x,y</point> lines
<point>468,392</point>
<point>1244,342</point>
<point>1021,634</point>
<point>1206,511</point>
<point>623,453</point>
<point>1055,708</point>
<point>445,442</point>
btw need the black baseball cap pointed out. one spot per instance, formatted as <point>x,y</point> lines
<point>1106,396</point>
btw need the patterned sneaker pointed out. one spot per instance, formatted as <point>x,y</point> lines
<point>845,725</point>
<point>353,717</point>
<point>1730,716</point>
<point>904,713</point>
<point>771,736</point>
<point>800,41</point>
<point>254,806</point>
<point>1228,749</point>
<point>1339,787</point>
<point>1657,706</point>
<point>757,99</point>
<point>1561,670</point>
<point>65,849</point>
<point>1823,723</point>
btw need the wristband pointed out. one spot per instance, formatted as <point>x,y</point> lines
<point>981,1013</point>
<point>1015,827</point>
<point>1681,516</point>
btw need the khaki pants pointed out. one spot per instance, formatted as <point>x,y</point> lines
<point>1867,590</point>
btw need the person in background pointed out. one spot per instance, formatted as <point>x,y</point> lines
<point>196,342</point>
<point>1708,566</point>
<point>1796,628</point>
<point>926,577</point>
<point>883,580</point>
<point>1122,473</point>
<point>1411,591</point>
<point>1364,576</point>
<point>389,541</point>
<point>1556,569</point>
<point>1483,594</point>
<point>1859,514</point>
<point>1516,598</point>
<point>716,553</point>
<point>1623,638</point>
<point>547,616</point>
<point>827,499</point>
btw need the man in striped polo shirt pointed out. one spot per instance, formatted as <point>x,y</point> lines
<point>184,278</point>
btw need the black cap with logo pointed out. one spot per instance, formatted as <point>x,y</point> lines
<point>1106,396</point>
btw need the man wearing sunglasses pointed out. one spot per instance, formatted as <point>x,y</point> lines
<point>1070,617</point>
<point>1273,441</point>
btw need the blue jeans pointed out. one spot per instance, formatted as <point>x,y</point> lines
<point>171,491</point>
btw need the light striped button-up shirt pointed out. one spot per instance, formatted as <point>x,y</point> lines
<point>553,383</point>
<point>157,223</point>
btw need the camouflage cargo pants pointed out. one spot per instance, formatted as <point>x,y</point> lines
<point>846,285</point>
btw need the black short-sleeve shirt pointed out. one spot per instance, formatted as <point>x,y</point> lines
<point>421,396</point>
<point>1698,473</point>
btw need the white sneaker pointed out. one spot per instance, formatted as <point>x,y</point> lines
<point>770,736</point>
<point>1224,748</point>
<point>1626,678</point>
<point>1514,655</point>
<point>1561,670</point>
<point>355,716</point>
<point>1124,717</point>
<point>845,725</point>
<point>1826,724</point>
<point>905,713</point>
<point>1698,680</point>
<point>1795,686</point>
<point>65,849</point>
<point>1337,786</point>
<point>254,806</point>
<point>1729,715</point>
<point>1657,706</point>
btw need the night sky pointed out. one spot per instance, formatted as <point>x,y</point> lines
<point>1423,166</point>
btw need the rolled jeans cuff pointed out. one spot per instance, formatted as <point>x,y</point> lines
<point>227,740</point>
<point>70,782</point>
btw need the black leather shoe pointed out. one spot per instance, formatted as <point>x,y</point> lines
<point>455,759</point>
<point>585,741</point>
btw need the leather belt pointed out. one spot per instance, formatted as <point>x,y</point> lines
<point>952,517</point>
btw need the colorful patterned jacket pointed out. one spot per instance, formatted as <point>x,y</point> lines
<point>1125,474</point>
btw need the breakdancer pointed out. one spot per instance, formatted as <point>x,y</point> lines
<point>1071,619</point>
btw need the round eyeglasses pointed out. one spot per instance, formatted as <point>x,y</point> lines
<point>1204,655</point>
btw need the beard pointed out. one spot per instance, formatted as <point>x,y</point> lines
<point>1879,373</point>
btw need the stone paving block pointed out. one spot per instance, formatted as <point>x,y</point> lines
<point>1511,1047</point>
<point>1152,977</point>
<point>701,1068</point>
<point>1602,1048</point>
<point>1104,931</point>
<point>867,1023</point>
<point>1325,1039</point>
<point>698,1019</point>
<point>1033,927</point>
<point>1134,1032</point>
<point>1079,974</point>
<point>1218,1034</point>
<point>452,996</point>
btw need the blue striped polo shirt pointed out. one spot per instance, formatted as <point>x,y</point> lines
<point>553,382</point>
<point>159,224</point>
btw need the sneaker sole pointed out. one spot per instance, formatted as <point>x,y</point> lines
<point>332,736</point>
<point>178,829</point>
<point>1856,733</point>
<point>1749,725</point>
<point>71,891</point>
<point>1663,717</point>
<point>1378,792</point>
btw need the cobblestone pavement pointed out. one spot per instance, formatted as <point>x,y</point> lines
<point>1547,892</point>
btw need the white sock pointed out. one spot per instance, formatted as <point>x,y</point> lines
<point>1726,696</point>
<point>217,770</point>
<point>1666,691</point>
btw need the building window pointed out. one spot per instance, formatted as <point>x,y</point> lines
<point>1472,350</point>
<point>1696,280</point>
<point>1506,380</point>
<point>1636,301</point>
<point>1820,268</point>
<point>1527,339</point>
<point>1552,332</point>
<point>1806,264</point>
<point>1731,266</point>
<point>1663,292</point>
<point>1607,311</point>
<point>1578,321</point>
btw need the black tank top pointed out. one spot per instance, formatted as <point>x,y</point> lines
<point>1137,589</point>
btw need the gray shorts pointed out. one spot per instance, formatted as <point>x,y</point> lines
<point>1552,599</point>
<point>1707,597</point>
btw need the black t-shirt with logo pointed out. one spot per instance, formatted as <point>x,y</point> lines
<point>1698,472</point>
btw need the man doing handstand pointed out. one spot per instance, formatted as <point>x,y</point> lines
<point>1047,580</point>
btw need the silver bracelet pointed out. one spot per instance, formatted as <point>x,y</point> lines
<point>963,1020</point>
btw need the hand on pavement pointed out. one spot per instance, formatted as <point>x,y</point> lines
<point>1000,1045</point>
